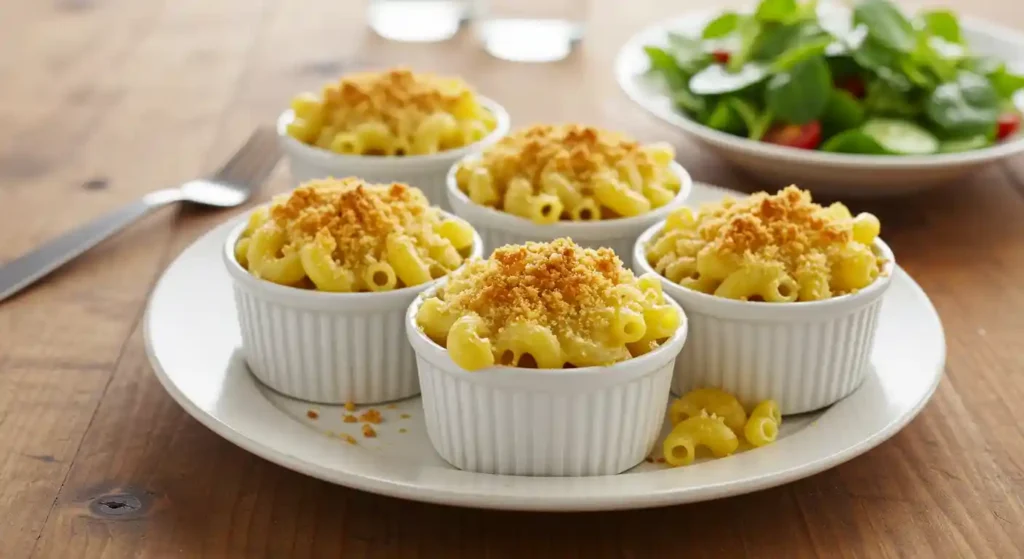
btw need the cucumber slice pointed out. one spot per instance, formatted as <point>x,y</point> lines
<point>900,136</point>
<point>964,144</point>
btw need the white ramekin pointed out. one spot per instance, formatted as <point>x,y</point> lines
<point>498,228</point>
<point>329,348</point>
<point>426,172</point>
<point>805,356</point>
<point>566,422</point>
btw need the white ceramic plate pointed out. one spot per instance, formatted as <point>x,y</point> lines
<point>193,342</point>
<point>833,174</point>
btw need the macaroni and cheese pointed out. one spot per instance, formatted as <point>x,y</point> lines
<point>346,235</point>
<point>774,248</point>
<point>714,419</point>
<point>548,173</point>
<point>547,305</point>
<point>396,112</point>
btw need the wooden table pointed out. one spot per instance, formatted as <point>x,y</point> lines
<point>103,100</point>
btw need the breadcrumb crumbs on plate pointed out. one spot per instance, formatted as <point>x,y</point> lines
<point>368,431</point>
<point>349,418</point>
<point>392,406</point>
<point>349,439</point>
<point>403,430</point>
<point>660,459</point>
<point>350,406</point>
<point>312,414</point>
<point>371,416</point>
<point>405,416</point>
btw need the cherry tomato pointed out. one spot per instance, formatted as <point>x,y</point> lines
<point>853,84</point>
<point>720,56</point>
<point>805,136</point>
<point>1007,125</point>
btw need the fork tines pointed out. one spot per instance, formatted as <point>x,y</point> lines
<point>254,161</point>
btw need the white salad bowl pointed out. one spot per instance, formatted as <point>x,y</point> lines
<point>805,356</point>
<point>426,172</point>
<point>498,228</point>
<point>329,348</point>
<point>541,422</point>
<point>823,173</point>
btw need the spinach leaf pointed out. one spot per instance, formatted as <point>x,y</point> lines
<point>773,40</point>
<point>752,120</point>
<point>800,52</point>
<point>884,99</point>
<point>800,95</point>
<point>842,112</point>
<point>687,101</point>
<point>968,106</point>
<point>775,10</point>
<point>664,65</point>
<point>886,24</point>
<point>926,57</point>
<point>942,23</point>
<point>882,61</point>
<point>687,52</point>
<point>716,79</point>
<point>1005,82</point>
<point>853,141</point>
<point>748,29</point>
<point>983,65</point>
<point>724,117</point>
<point>721,26</point>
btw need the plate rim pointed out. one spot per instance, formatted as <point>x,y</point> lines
<point>556,503</point>
<point>625,79</point>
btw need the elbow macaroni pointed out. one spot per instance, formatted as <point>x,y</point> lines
<point>777,248</point>
<point>569,172</point>
<point>397,112</point>
<point>348,236</point>
<point>714,419</point>
<point>547,305</point>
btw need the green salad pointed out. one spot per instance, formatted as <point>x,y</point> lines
<point>871,82</point>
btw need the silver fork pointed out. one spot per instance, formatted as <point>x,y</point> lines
<point>230,186</point>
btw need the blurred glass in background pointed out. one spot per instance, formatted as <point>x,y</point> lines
<point>530,30</point>
<point>515,30</point>
<point>417,20</point>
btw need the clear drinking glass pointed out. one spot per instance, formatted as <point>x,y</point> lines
<point>417,20</point>
<point>530,30</point>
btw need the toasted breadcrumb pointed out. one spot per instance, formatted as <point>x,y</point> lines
<point>350,406</point>
<point>349,439</point>
<point>580,153</point>
<point>353,218</point>
<point>398,97</point>
<point>391,406</point>
<point>312,414</point>
<point>371,416</point>
<point>403,430</point>
<point>560,285</point>
<point>660,460</point>
<point>405,416</point>
<point>349,418</point>
<point>368,431</point>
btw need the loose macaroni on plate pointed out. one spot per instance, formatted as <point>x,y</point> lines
<point>396,112</point>
<point>549,306</point>
<point>345,235</point>
<point>776,248</point>
<point>714,419</point>
<point>548,173</point>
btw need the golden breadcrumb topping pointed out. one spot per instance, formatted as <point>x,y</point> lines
<point>549,305</point>
<point>368,431</point>
<point>358,215</point>
<point>783,226</point>
<point>783,236</point>
<point>350,406</point>
<point>327,230</point>
<point>578,152</point>
<point>349,418</point>
<point>550,284</point>
<point>389,95</point>
<point>391,113</point>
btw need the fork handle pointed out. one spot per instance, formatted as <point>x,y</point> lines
<point>25,270</point>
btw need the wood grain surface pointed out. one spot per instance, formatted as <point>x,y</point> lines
<point>104,100</point>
